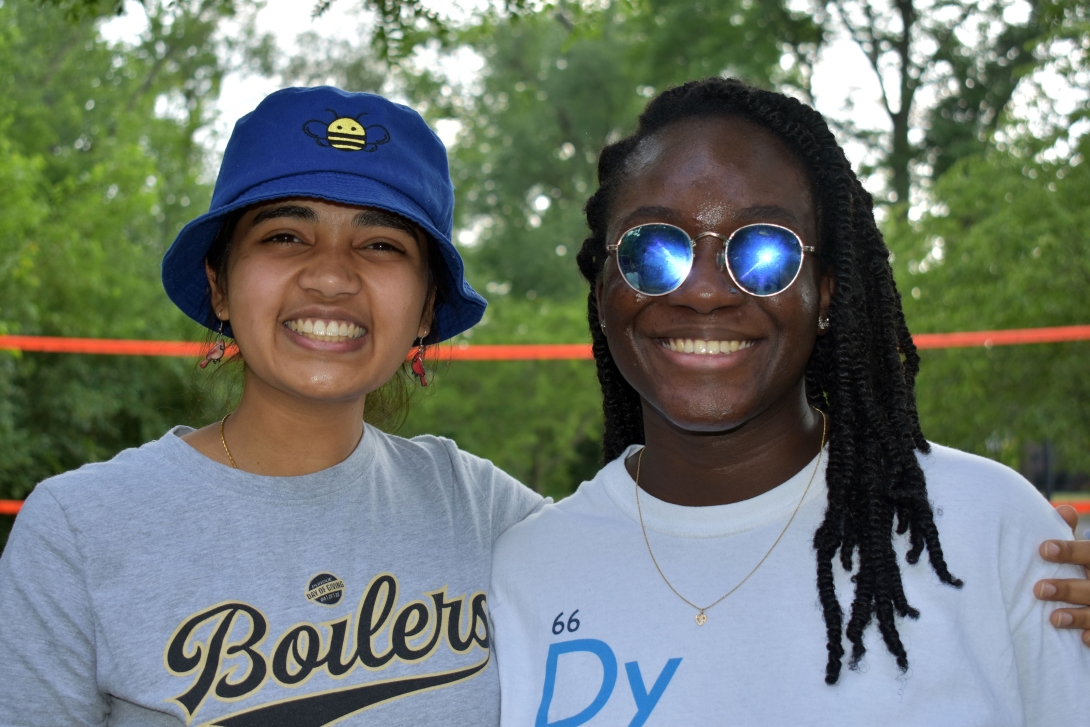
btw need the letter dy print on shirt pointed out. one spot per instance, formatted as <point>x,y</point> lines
<point>577,713</point>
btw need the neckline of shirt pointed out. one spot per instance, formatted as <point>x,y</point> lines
<point>713,521</point>
<point>266,487</point>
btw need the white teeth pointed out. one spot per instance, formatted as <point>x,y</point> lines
<point>329,331</point>
<point>702,347</point>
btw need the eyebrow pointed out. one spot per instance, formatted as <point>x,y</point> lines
<point>759,213</point>
<point>298,212</point>
<point>768,213</point>
<point>658,214</point>
<point>365,218</point>
<point>382,218</point>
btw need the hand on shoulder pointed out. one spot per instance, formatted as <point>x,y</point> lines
<point>1068,590</point>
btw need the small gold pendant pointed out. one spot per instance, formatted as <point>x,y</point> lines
<point>701,619</point>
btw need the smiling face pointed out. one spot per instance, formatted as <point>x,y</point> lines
<point>707,357</point>
<point>324,299</point>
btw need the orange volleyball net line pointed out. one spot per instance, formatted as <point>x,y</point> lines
<point>196,349</point>
<point>11,507</point>
<point>514,352</point>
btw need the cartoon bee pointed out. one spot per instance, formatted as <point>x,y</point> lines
<point>346,134</point>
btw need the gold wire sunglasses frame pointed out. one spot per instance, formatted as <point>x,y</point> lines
<point>721,259</point>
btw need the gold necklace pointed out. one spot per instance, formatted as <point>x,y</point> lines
<point>224,440</point>
<point>701,616</point>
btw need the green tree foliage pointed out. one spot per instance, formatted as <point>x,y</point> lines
<point>557,86</point>
<point>1005,246</point>
<point>401,25</point>
<point>99,169</point>
<point>96,191</point>
<point>560,83</point>
<point>970,55</point>
<point>538,420</point>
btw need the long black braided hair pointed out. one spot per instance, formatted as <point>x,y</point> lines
<point>862,373</point>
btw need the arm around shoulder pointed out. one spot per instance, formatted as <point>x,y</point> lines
<point>1074,591</point>
<point>1053,666</point>
<point>47,633</point>
<point>510,500</point>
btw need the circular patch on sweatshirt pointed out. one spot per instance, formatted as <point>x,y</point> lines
<point>325,589</point>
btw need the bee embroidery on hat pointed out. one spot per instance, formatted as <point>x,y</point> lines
<point>346,134</point>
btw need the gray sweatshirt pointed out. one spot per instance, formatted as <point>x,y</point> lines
<point>162,588</point>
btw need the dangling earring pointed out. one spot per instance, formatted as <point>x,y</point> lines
<point>417,364</point>
<point>603,325</point>
<point>823,323</point>
<point>218,349</point>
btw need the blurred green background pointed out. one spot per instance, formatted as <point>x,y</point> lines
<point>978,167</point>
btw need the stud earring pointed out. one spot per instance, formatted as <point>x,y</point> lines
<point>417,363</point>
<point>823,323</point>
<point>603,325</point>
<point>218,349</point>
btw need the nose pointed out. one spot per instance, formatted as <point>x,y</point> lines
<point>329,273</point>
<point>709,285</point>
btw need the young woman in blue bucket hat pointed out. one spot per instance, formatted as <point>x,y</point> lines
<point>287,565</point>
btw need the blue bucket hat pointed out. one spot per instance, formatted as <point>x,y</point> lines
<point>353,148</point>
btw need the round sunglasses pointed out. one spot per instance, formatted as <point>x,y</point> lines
<point>762,259</point>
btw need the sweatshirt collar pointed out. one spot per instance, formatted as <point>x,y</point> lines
<point>715,520</point>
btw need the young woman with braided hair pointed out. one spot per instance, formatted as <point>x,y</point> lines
<point>760,429</point>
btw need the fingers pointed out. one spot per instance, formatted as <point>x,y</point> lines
<point>1075,591</point>
<point>1073,618</point>
<point>1070,516</point>
<point>1069,591</point>
<point>1076,552</point>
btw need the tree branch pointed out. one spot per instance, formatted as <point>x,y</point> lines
<point>864,42</point>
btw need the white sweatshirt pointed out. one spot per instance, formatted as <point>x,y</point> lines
<point>587,632</point>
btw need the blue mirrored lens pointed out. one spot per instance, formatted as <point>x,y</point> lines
<point>764,258</point>
<point>655,259</point>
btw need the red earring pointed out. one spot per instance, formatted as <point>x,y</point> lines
<point>417,364</point>
<point>218,349</point>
